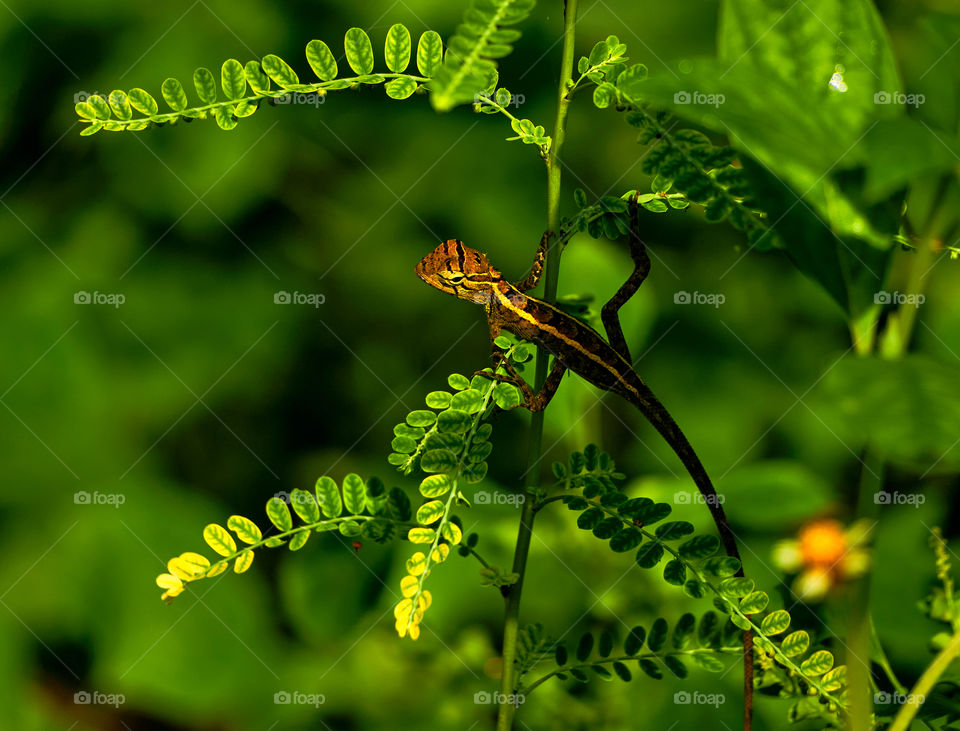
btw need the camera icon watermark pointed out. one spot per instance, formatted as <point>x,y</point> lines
<point>898,498</point>
<point>98,298</point>
<point>898,298</point>
<point>84,96</point>
<point>96,698</point>
<point>314,99</point>
<point>685,698</point>
<point>699,298</point>
<point>298,298</point>
<point>496,497</point>
<point>83,497</point>
<point>296,698</point>
<point>695,498</point>
<point>899,98</point>
<point>485,698</point>
<point>699,98</point>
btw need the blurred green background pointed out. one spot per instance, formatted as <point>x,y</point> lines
<point>199,397</point>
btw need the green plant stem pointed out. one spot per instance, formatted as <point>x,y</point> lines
<point>925,684</point>
<point>511,622</point>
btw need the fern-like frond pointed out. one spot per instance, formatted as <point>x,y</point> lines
<point>357,510</point>
<point>246,87</point>
<point>469,66</point>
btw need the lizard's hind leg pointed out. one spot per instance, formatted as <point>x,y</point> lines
<point>609,315</point>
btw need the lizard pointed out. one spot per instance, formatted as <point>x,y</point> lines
<point>466,273</point>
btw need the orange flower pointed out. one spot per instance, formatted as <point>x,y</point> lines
<point>824,554</point>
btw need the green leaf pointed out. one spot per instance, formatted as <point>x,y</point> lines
<point>279,514</point>
<point>634,642</point>
<point>658,635</point>
<point>507,396</point>
<point>354,493</point>
<point>584,647</point>
<point>322,60</point>
<point>233,80</point>
<point>438,460</point>
<point>400,88</point>
<point>298,540</point>
<point>243,562</point>
<point>754,602</point>
<point>429,53</point>
<point>397,49</point>
<point>650,668</point>
<point>359,51</point>
<point>683,631</point>
<point>205,85</point>
<point>835,679</point>
<point>259,81</point>
<point>817,664</point>
<point>454,421</point>
<point>430,512</point>
<point>305,506</point>
<point>694,589</point>
<point>436,485</point>
<point>120,105</point>
<point>225,118</point>
<point>795,643</point>
<point>475,473</point>
<point>626,539</point>
<point>278,70</point>
<point>438,399</point>
<point>451,532</point>
<point>421,418</point>
<point>775,622</point>
<point>649,555</point>
<point>421,535</point>
<point>722,566</point>
<point>458,382</point>
<point>708,662</point>
<point>673,530</point>
<point>622,671</point>
<point>699,547</point>
<point>675,665</point>
<point>246,530</point>
<point>99,106</point>
<point>675,573</point>
<point>736,587</point>
<point>328,497</point>
<point>143,102</point>
<point>219,539</point>
<point>174,95</point>
<point>469,401</point>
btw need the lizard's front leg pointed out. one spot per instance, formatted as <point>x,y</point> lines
<point>609,315</point>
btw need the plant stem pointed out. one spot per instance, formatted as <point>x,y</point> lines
<point>925,684</point>
<point>511,622</point>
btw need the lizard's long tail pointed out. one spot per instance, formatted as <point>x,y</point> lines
<point>654,411</point>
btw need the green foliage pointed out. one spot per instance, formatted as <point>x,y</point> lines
<point>701,645</point>
<point>469,66</point>
<point>450,444</point>
<point>362,510</point>
<point>272,80</point>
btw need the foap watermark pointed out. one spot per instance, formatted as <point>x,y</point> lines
<point>684,698</point>
<point>898,498</point>
<point>899,699</point>
<point>898,298</point>
<point>299,298</point>
<point>698,97</point>
<point>484,698</point>
<point>496,497</point>
<point>296,498</point>
<point>96,698</point>
<point>502,98</point>
<point>695,498</point>
<point>99,298</point>
<point>313,98</point>
<point>898,97</point>
<point>296,698</point>
<point>116,499</point>
<point>714,299</point>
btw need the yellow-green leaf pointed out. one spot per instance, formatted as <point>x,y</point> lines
<point>775,622</point>
<point>328,496</point>
<point>232,79</point>
<point>421,535</point>
<point>120,105</point>
<point>409,585</point>
<point>417,563</point>
<point>354,493</point>
<point>359,51</point>
<point>322,60</point>
<point>143,102</point>
<point>174,95</point>
<point>243,561</point>
<point>452,532</point>
<point>397,48</point>
<point>279,70</point>
<point>436,485</point>
<point>430,512</point>
<point>205,85</point>
<point>296,543</point>
<point>429,53</point>
<point>279,514</point>
<point>246,530</point>
<point>219,539</point>
<point>305,506</point>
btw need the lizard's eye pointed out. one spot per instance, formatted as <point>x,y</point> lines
<point>453,277</point>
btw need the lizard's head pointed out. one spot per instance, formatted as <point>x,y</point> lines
<point>459,270</point>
